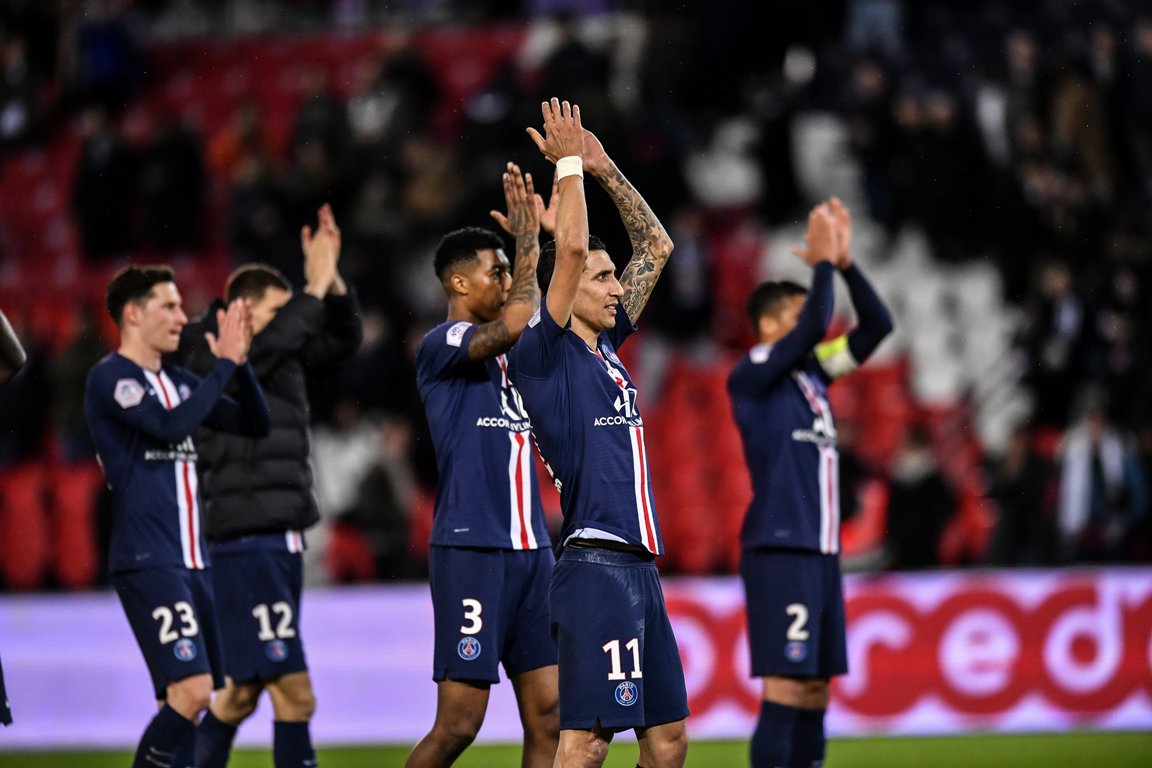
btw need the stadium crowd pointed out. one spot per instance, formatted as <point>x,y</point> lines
<point>1017,135</point>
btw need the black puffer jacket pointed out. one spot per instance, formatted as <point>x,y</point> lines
<point>263,486</point>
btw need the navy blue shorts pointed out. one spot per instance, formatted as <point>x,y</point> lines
<point>619,664</point>
<point>258,604</point>
<point>795,605</point>
<point>491,607</point>
<point>173,615</point>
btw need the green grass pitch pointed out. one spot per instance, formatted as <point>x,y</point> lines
<point>1099,750</point>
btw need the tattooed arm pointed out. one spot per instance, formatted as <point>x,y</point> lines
<point>651,245</point>
<point>523,223</point>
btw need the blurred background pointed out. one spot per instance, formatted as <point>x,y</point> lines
<point>996,156</point>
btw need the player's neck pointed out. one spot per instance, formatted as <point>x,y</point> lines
<point>587,334</point>
<point>457,312</point>
<point>143,355</point>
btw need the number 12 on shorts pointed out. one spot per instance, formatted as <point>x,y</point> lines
<point>612,648</point>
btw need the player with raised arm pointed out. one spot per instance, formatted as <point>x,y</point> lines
<point>258,495</point>
<point>791,533</point>
<point>143,414</point>
<point>618,661</point>
<point>490,557</point>
<point>12,359</point>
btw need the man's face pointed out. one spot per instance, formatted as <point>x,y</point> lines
<point>161,318</point>
<point>489,277</point>
<point>776,325</point>
<point>266,307</point>
<point>599,293</point>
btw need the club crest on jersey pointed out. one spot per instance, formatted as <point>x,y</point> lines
<point>796,651</point>
<point>608,353</point>
<point>626,693</point>
<point>276,650</point>
<point>468,648</point>
<point>128,393</point>
<point>456,333</point>
<point>184,391</point>
<point>184,650</point>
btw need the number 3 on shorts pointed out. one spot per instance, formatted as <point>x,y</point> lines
<point>473,622</point>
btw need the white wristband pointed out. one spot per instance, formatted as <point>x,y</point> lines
<point>572,165</point>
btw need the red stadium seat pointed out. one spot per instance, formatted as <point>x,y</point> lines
<point>24,529</point>
<point>76,557</point>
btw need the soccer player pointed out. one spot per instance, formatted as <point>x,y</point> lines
<point>490,559</point>
<point>143,414</point>
<point>791,532</point>
<point>258,496</point>
<point>618,661</point>
<point>12,359</point>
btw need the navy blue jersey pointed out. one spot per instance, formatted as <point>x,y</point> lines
<point>142,424</point>
<point>588,426</point>
<point>779,396</point>
<point>487,495</point>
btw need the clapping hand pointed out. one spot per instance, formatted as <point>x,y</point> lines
<point>524,205</point>
<point>234,332</point>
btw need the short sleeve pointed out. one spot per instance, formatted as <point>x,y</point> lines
<point>444,351</point>
<point>535,352</point>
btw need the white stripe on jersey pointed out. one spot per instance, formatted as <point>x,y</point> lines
<point>829,472</point>
<point>520,492</point>
<point>644,517</point>
<point>187,488</point>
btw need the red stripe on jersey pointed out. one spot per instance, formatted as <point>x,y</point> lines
<point>648,527</point>
<point>521,506</point>
<point>189,497</point>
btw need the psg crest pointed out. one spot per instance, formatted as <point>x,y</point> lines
<point>276,650</point>
<point>185,649</point>
<point>468,648</point>
<point>626,694</point>
<point>796,651</point>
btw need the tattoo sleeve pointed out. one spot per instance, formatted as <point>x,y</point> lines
<point>498,336</point>
<point>651,245</point>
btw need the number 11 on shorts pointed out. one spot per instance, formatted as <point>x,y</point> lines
<point>612,648</point>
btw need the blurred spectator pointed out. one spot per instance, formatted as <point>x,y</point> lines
<point>106,60</point>
<point>244,139</point>
<point>67,373</point>
<point>24,401</point>
<point>259,229</point>
<point>875,25</point>
<point>1103,493</point>
<point>379,513</point>
<point>20,116</point>
<point>1052,343</point>
<point>397,100</point>
<point>104,189</point>
<point>920,504</point>
<point>1138,107</point>
<point>321,118</point>
<point>172,188</point>
<point>1022,487</point>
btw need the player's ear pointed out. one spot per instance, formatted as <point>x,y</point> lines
<point>766,327</point>
<point>458,284</point>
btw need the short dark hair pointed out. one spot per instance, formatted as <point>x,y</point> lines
<point>767,298</point>
<point>547,261</point>
<point>252,280</point>
<point>134,284</point>
<point>463,245</point>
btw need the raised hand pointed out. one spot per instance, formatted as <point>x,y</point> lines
<point>321,252</point>
<point>820,237</point>
<point>234,328</point>
<point>524,205</point>
<point>563,133</point>
<point>842,219</point>
<point>547,214</point>
<point>596,160</point>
